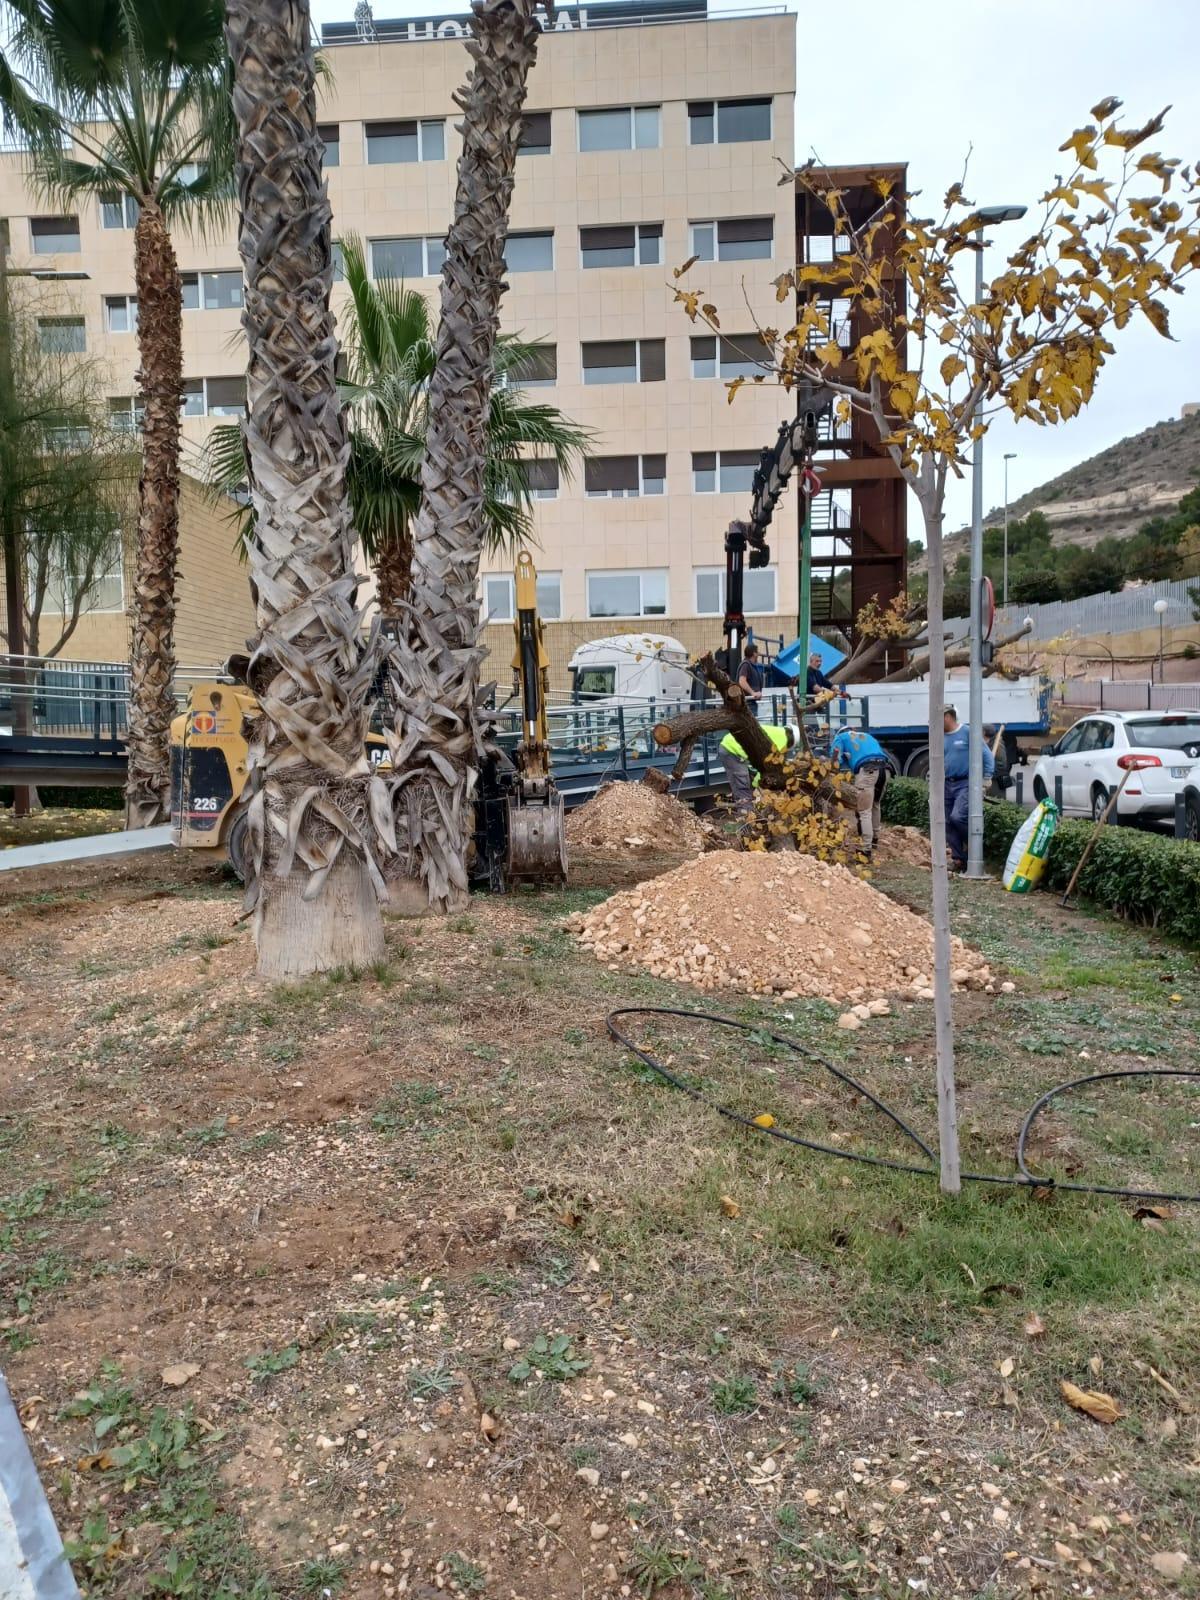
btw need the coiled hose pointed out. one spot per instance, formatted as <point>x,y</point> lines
<point>1021,1179</point>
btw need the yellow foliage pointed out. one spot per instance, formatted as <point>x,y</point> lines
<point>1036,342</point>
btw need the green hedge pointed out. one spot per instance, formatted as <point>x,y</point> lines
<point>1141,876</point>
<point>73,799</point>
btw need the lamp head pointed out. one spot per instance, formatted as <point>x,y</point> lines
<point>985,215</point>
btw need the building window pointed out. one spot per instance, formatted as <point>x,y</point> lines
<point>631,245</point>
<point>499,598</point>
<point>541,479</point>
<point>330,135</point>
<point>212,291</point>
<point>407,258</point>
<point>120,313</point>
<point>625,361</point>
<point>62,336</point>
<point>529,252</point>
<point>534,138</point>
<point>758,591</point>
<point>67,437</point>
<point>405,141</point>
<point>728,121</point>
<point>107,591</point>
<point>214,397</point>
<point>624,477</point>
<point>118,211</point>
<point>125,412</point>
<point>735,355</point>
<point>339,262</point>
<point>627,594</point>
<point>723,471</point>
<point>539,371</point>
<point>733,239</point>
<point>54,235</point>
<point>621,128</point>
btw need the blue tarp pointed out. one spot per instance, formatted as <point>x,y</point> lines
<point>793,658</point>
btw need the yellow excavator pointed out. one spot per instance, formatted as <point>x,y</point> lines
<point>520,834</point>
<point>536,825</point>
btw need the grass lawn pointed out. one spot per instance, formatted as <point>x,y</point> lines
<point>413,1282</point>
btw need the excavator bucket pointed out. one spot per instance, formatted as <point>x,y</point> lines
<point>537,840</point>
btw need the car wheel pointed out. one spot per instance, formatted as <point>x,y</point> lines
<point>236,846</point>
<point>1099,801</point>
<point>1191,813</point>
<point>1039,791</point>
<point>918,764</point>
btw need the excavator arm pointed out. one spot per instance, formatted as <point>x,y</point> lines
<point>536,826</point>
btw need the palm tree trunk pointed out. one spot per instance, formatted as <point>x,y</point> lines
<point>313,806</point>
<point>393,572</point>
<point>152,658</point>
<point>438,739</point>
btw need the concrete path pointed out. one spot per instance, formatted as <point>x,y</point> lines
<point>100,844</point>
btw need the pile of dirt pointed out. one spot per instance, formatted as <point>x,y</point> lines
<point>906,847</point>
<point>765,923</point>
<point>631,816</point>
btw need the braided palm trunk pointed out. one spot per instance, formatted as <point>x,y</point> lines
<point>313,877</point>
<point>437,746</point>
<point>152,655</point>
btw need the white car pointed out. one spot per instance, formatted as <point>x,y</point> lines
<point>1091,758</point>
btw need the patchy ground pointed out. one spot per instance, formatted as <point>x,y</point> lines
<point>412,1282</point>
<point>56,822</point>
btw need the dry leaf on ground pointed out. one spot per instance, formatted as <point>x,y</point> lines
<point>730,1206</point>
<point>1034,1326</point>
<point>1101,1406</point>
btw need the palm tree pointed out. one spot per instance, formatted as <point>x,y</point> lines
<point>438,746</point>
<point>391,350</point>
<point>128,103</point>
<point>313,805</point>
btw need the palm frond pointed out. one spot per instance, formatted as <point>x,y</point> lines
<point>226,470</point>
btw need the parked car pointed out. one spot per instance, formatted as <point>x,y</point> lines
<point>1093,756</point>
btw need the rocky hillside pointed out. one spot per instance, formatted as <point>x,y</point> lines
<point>1114,492</point>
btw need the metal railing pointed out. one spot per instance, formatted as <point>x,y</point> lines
<point>1094,694</point>
<point>1127,612</point>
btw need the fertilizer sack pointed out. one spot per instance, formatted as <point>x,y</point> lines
<point>1027,855</point>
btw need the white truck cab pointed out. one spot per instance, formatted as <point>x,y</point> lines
<point>624,667</point>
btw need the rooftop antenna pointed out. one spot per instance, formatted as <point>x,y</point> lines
<point>364,22</point>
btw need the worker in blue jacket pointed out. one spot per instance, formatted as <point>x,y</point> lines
<point>861,754</point>
<point>958,767</point>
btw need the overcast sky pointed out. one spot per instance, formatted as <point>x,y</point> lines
<point>1010,79</point>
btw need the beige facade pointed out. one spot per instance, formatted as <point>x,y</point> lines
<point>665,179</point>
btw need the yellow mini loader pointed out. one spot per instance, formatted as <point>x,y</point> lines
<point>519,831</point>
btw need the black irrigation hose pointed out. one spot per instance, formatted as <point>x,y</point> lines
<point>1023,1179</point>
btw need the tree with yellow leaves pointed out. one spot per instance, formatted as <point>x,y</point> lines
<point>1112,241</point>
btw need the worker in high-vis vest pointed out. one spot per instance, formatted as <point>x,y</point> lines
<point>737,768</point>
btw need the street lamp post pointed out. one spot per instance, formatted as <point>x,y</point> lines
<point>984,217</point>
<point>1009,455</point>
<point>1161,607</point>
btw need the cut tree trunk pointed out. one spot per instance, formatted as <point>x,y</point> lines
<point>735,716</point>
<point>437,744</point>
<point>314,807</point>
<point>152,652</point>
